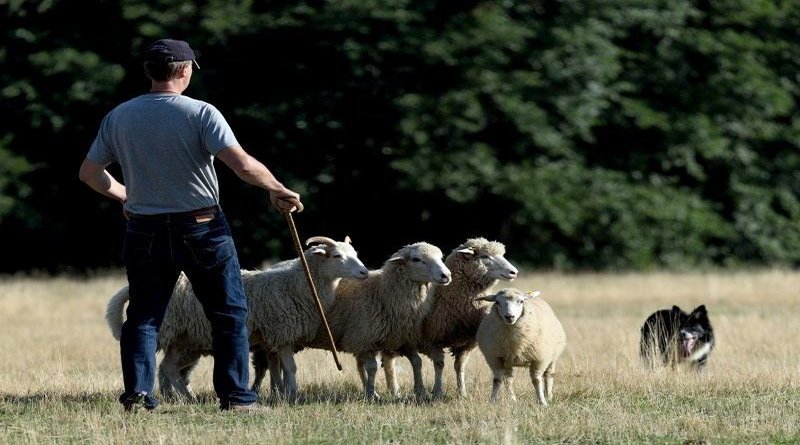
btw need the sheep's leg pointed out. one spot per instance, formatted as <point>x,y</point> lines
<point>260,362</point>
<point>548,381</point>
<point>165,384</point>
<point>263,360</point>
<point>362,371</point>
<point>437,355</point>
<point>498,375</point>
<point>190,360</point>
<point>276,384</point>
<point>461,357</point>
<point>389,372</point>
<point>186,372</point>
<point>509,382</point>
<point>416,366</point>
<point>172,383</point>
<point>539,385</point>
<point>289,371</point>
<point>370,363</point>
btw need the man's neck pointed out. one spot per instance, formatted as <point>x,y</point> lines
<point>166,88</point>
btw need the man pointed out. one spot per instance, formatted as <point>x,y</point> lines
<point>165,144</point>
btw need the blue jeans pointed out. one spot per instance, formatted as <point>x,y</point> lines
<point>157,248</point>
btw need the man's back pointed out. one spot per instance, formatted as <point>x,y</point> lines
<point>165,145</point>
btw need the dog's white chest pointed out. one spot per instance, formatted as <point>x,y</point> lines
<point>700,352</point>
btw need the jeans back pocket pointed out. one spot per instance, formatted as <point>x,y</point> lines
<point>209,248</point>
<point>137,248</point>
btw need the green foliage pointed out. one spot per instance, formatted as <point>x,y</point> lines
<point>602,219</point>
<point>603,134</point>
<point>620,134</point>
<point>13,189</point>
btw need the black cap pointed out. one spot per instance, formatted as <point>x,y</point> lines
<point>169,50</point>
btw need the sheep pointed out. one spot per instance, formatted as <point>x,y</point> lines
<point>477,265</point>
<point>282,312</point>
<point>385,312</point>
<point>521,330</point>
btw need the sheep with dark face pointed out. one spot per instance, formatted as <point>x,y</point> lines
<point>521,330</point>
<point>282,312</point>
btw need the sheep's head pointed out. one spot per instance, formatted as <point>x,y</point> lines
<point>422,262</point>
<point>482,258</point>
<point>509,303</point>
<point>340,258</point>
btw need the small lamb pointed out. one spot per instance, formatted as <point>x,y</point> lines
<point>521,330</point>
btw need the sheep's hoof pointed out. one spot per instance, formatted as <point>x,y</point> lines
<point>292,398</point>
<point>179,398</point>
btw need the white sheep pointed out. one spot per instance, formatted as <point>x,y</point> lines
<point>385,312</point>
<point>476,265</point>
<point>281,312</point>
<point>521,330</point>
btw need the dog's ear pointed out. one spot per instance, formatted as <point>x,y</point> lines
<point>700,311</point>
<point>676,309</point>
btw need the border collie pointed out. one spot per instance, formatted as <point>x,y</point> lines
<point>677,337</point>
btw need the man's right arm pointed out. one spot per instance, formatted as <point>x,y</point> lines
<point>96,177</point>
<point>252,171</point>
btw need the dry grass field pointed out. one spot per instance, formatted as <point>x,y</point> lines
<point>59,374</point>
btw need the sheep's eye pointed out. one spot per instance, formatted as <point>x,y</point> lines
<point>415,260</point>
<point>484,256</point>
<point>337,255</point>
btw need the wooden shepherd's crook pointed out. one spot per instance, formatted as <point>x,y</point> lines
<point>299,248</point>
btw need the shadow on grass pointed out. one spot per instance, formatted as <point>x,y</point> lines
<point>42,397</point>
<point>342,394</point>
<point>310,395</point>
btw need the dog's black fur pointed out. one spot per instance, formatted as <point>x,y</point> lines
<point>677,337</point>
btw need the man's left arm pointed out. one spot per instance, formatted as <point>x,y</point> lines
<point>101,181</point>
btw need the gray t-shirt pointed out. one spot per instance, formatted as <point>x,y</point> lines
<point>165,144</point>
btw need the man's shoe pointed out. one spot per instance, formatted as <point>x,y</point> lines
<point>138,403</point>
<point>254,408</point>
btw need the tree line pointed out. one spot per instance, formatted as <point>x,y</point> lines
<point>597,134</point>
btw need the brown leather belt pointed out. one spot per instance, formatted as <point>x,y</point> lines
<point>203,212</point>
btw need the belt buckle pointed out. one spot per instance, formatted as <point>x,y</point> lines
<point>204,218</point>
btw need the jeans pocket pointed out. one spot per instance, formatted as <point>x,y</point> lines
<point>137,248</point>
<point>210,248</point>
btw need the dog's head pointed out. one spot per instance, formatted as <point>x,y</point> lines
<point>695,331</point>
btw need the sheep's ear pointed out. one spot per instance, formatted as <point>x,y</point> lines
<point>396,260</point>
<point>466,252</point>
<point>319,251</point>
<point>489,298</point>
<point>532,294</point>
<point>347,239</point>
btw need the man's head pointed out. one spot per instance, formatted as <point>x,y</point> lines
<point>166,59</point>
